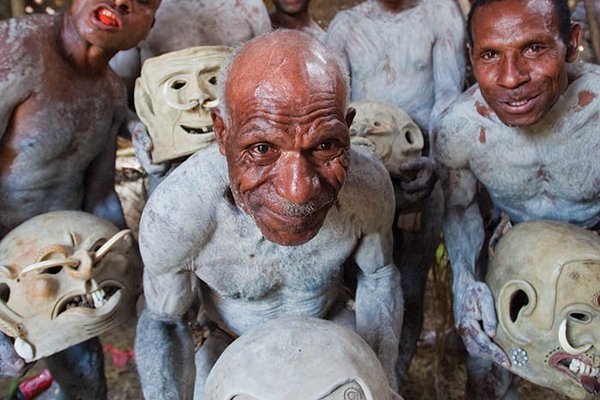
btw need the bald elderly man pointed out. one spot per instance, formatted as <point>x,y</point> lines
<point>261,224</point>
<point>528,132</point>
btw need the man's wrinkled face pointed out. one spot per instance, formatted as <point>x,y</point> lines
<point>519,59</point>
<point>287,151</point>
<point>115,25</point>
<point>291,6</point>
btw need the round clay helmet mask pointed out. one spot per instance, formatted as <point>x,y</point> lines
<point>298,358</point>
<point>174,96</point>
<point>65,277</point>
<point>387,130</point>
<point>545,278</point>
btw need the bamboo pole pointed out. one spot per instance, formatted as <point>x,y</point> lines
<point>590,11</point>
<point>17,7</point>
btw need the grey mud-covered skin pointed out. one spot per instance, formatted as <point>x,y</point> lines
<point>548,170</point>
<point>413,59</point>
<point>60,111</point>
<point>210,245</point>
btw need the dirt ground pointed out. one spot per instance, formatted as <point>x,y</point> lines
<point>437,371</point>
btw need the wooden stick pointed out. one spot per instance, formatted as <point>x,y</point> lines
<point>590,11</point>
<point>17,7</point>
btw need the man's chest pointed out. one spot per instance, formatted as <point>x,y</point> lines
<point>558,165</point>
<point>239,263</point>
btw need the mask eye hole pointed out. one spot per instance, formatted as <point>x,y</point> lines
<point>376,123</point>
<point>409,137</point>
<point>4,292</point>
<point>178,84</point>
<point>52,270</point>
<point>213,80</point>
<point>580,317</point>
<point>97,244</point>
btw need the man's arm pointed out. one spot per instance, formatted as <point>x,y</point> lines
<point>336,36</point>
<point>164,345</point>
<point>474,311</point>
<point>257,16</point>
<point>379,302</point>
<point>448,57</point>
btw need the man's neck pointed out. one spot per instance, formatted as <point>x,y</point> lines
<point>397,6</point>
<point>84,56</point>
<point>297,21</point>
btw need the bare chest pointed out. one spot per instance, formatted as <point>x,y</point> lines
<point>238,263</point>
<point>558,166</point>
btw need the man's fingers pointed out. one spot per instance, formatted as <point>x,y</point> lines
<point>488,316</point>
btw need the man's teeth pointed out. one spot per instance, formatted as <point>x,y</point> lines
<point>517,103</point>
<point>579,367</point>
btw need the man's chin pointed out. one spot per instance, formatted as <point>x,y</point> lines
<point>294,236</point>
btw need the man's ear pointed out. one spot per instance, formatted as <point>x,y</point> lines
<point>219,128</point>
<point>574,42</point>
<point>350,114</point>
<point>470,51</point>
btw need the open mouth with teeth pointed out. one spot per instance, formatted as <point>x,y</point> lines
<point>102,300</point>
<point>203,130</point>
<point>107,17</point>
<point>578,369</point>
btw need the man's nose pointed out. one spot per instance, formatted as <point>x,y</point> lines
<point>123,5</point>
<point>297,181</point>
<point>513,72</point>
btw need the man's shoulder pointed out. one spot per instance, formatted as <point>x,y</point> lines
<point>367,179</point>
<point>23,36</point>
<point>587,77</point>
<point>351,15</point>
<point>203,176</point>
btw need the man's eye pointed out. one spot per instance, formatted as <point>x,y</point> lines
<point>488,55</point>
<point>534,48</point>
<point>328,145</point>
<point>261,148</point>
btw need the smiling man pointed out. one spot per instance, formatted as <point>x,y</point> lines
<point>261,224</point>
<point>529,133</point>
<point>60,110</point>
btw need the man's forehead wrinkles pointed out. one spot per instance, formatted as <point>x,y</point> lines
<point>318,116</point>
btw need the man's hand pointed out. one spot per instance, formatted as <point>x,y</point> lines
<point>419,188</point>
<point>142,145</point>
<point>474,308</point>
<point>11,365</point>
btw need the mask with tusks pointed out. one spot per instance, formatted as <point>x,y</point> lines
<point>298,358</point>
<point>387,130</point>
<point>174,96</point>
<point>65,277</point>
<point>545,278</point>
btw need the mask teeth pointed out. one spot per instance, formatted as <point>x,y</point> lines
<point>580,368</point>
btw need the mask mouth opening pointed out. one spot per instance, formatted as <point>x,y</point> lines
<point>579,369</point>
<point>94,300</point>
<point>197,131</point>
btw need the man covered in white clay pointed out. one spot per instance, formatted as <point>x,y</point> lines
<point>261,225</point>
<point>60,110</point>
<point>410,54</point>
<point>292,14</point>
<point>528,132</point>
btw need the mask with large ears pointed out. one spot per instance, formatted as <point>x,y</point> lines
<point>174,96</point>
<point>298,358</point>
<point>388,131</point>
<point>65,277</point>
<point>545,278</point>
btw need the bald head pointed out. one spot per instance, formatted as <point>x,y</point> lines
<point>283,64</point>
<point>283,128</point>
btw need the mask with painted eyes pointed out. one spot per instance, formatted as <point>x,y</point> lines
<point>174,96</point>
<point>65,277</point>
<point>545,278</point>
<point>388,131</point>
<point>298,358</point>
